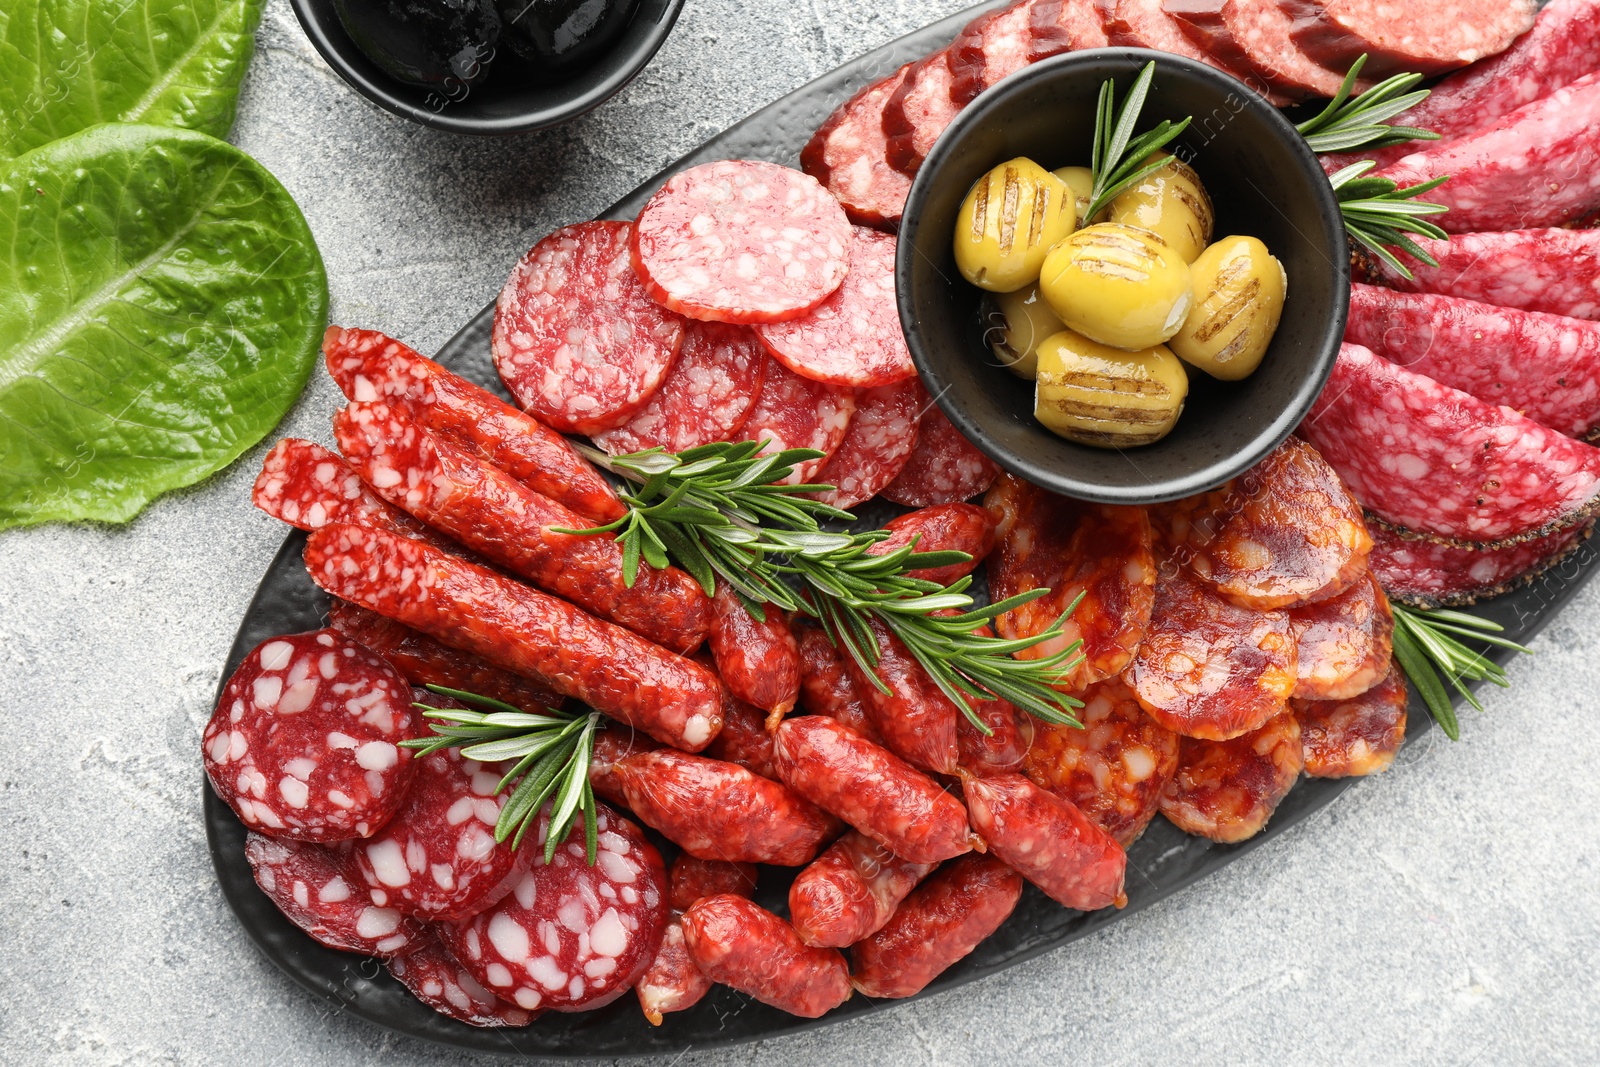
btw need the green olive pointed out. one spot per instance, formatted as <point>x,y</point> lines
<point>1119,285</point>
<point>1240,288</point>
<point>1024,320</point>
<point>1170,202</point>
<point>1097,395</point>
<point>1081,181</point>
<point>1009,220</point>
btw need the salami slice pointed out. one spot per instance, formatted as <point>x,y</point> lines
<point>1442,462</point>
<point>1557,271</point>
<point>673,981</point>
<point>693,878</point>
<point>1073,548</point>
<point>1114,768</point>
<point>707,396</point>
<point>741,241</point>
<point>1144,24</point>
<point>305,739</point>
<point>1428,574</point>
<point>1227,790</point>
<point>944,466</point>
<point>1065,26</point>
<point>942,528</point>
<point>825,684</point>
<point>1254,36</point>
<point>743,945</point>
<point>850,891</point>
<point>1048,841</point>
<point>577,340</point>
<point>989,48</point>
<point>852,338</point>
<point>369,366</point>
<point>1545,366</point>
<point>1344,644</point>
<point>919,111</point>
<point>796,412</point>
<point>849,156</point>
<point>317,888</point>
<point>437,859</point>
<point>308,487</point>
<point>1426,36</point>
<point>570,937</point>
<point>1356,736</point>
<point>1211,669</point>
<point>877,445</point>
<point>437,978</point>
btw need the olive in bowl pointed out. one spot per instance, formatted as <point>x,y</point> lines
<point>1261,182</point>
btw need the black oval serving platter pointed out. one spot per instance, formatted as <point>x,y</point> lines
<point>1160,863</point>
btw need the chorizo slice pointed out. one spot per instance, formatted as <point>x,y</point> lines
<point>692,878</point>
<point>1048,841</point>
<point>1114,768</point>
<point>1356,736</point>
<point>947,917</point>
<point>673,981</point>
<point>870,788</point>
<point>1209,668</point>
<point>1344,645</point>
<point>721,811</point>
<point>850,891</point>
<point>757,658</point>
<point>915,719</point>
<point>318,889</point>
<point>742,945</point>
<point>437,978</point>
<point>825,684</point>
<point>1072,547</point>
<point>958,527</point>
<point>1227,790</point>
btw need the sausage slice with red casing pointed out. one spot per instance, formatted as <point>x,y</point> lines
<point>319,890</point>
<point>1356,736</point>
<point>876,447</point>
<point>850,891</point>
<point>305,739</point>
<point>1550,270</point>
<point>743,945</point>
<point>871,789</point>
<point>1344,645</point>
<point>758,659</point>
<point>308,487</point>
<point>1047,840</point>
<point>1430,575</point>
<point>1425,36</point>
<point>849,155</point>
<point>1227,790</point>
<point>917,113</point>
<point>469,607</point>
<point>437,978</point>
<point>796,412</point>
<point>947,917</point>
<point>944,466</point>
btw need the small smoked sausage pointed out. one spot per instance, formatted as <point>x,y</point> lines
<point>942,528</point>
<point>743,945</point>
<point>692,878</point>
<point>758,659</point>
<point>743,739</point>
<point>917,721</point>
<point>850,891</point>
<point>612,745</point>
<point>1227,790</point>
<point>1048,840</point>
<point>825,684</point>
<point>672,982</point>
<point>939,924</point>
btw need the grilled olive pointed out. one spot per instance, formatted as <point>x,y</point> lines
<point>1119,285</point>
<point>1170,202</point>
<point>1009,220</point>
<point>1097,395</point>
<point>1020,320</point>
<point>1239,288</point>
<point>1081,181</point>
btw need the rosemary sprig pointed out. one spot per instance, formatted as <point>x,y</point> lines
<point>552,750</point>
<point>722,513</point>
<point>1426,644</point>
<point>1378,214</point>
<point>1119,159</point>
<point>1361,121</point>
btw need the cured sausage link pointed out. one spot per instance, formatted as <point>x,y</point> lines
<point>506,522</point>
<point>308,487</point>
<point>1048,840</point>
<point>956,527</point>
<point>871,789</point>
<point>916,719</point>
<point>743,945</point>
<point>692,878</point>
<point>825,685</point>
<point>369,366</point>
<point>940,924</point>
<point>744,739</point>
<point>850,891</point>
<point>673,981</point>
<point>520,629</point>
<point>758,659</point>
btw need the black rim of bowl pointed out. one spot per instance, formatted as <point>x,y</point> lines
<point>622,62</point>
<point>1171,488</point>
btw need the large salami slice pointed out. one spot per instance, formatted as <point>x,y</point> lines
<point>318,889</point>
<point>308,487</point>
<point>305,739</point>
<point>1252,37</point>
<point>1442,462</point>
<point>796,412</point>
<point>437,978</point>
<point>989,48</point>
<point>1545,366</point>
<point>919,111</point>
<point>849,155</point>
<point>1144,24</point>
<point>877,446</point>
<point>1048,841</point>
<point>853,338</point>
<point>1227,790</point>
<point>1073,548</point>
<point>1065,26</point>
<point>741,241</point>
<point>577,340</point>
<point>708,395</point>
<point>369,366</point>
<point>571,937</point>
<point>944,466</point>
<point>1557,270</point>
<point>1344,644</point>
<point>1429,574</point>
<point>1114,768</point>
<point>1537,166</point>
<point>1356,736</point>
<point>1426,36</point>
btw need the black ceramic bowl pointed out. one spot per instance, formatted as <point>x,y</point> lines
<point>492,109</point>
<point>1263,181</point>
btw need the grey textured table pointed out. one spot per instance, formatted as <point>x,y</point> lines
<point>1445,912</point>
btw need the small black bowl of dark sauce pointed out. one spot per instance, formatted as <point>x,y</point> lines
<point>487,66</point>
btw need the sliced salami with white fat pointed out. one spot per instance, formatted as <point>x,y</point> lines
<point>849,155</point>
<point>875,450</point>
<point>741,241</point>
<point>318,889</point>
<point>577,340</point>
<point>944,467</point>
<point>1425,36</point>
<point>437,978</point>
<point>305,741</point>
<point>992,46</point>
<point>796,412</point>
<point>1065,26</point>
<point>1428,574</point>
<point>1551,270</point>
<point>919,111</point>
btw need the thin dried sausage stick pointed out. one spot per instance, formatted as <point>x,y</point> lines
<point>955,527</point>
<point>747,947</point>
<point>914,717</point>
<point>759,660</point>
<point>850,891</point>
<point>611,746</point>
<point>1048,841</point>
<point>743,738</point>
<point>673,981</point>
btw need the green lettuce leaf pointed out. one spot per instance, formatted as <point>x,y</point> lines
<point>160,308</point>
<point>66,65</point>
